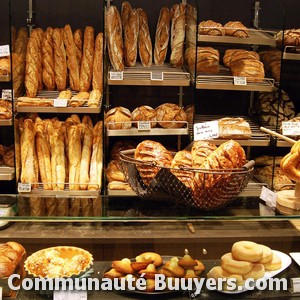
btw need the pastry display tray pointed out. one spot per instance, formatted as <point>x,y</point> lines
<point>258,138</point>
<point>150,76</point>
<point>5,78</point>
<point>291,53</point>
<point>51,95</point>
<point>256,37</point>
<point>7,173</point>
<point>5,122</point>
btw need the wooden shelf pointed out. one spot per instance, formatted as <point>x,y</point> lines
<point>5,78</point>
<point>7,173</point>
<point>5,122</point>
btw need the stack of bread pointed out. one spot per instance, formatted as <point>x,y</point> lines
<point>58,58</point>
<point>231,28</point>
<point>245,64</point>
<point>272,62</point>
<point>128,36</point>
<point>247,260</point>
<point>5,109</point>
<point>148,264</point>
<point>167,115</point>
<point>55,153</point>
<point>7,155</point>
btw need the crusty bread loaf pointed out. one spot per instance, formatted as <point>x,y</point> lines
<point>232,55</point>
<point>121,145</point>
<point>86,70</point>
<point>77,36</point>
<point>131,34</point>
<point>18,71</point>
<point>48,60</point>
<point>251,68</point>
<point>210,27</point>
<point>144,40</point>
<point>118,118</point>
<point>200,151</point>
<point>60,60</point>
<point>191,25</point>
<point>72,61</point>
<point>144,113</point>
<point>177,34</point>
<point>67,94</point>
<point>170,115</point>
<point>162,36</point>
<point>125,12</point>
<point>94,98</point>
<point>79,99</point>
<point>236,29</point>
<point>113,28</point>
<point>114,171</point>
<point>234,128</point>
<point>97,82</point>
<point>21,41</point>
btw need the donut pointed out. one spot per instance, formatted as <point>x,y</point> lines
<point>155,257</point>
<point>231,265</point>
<point>247,251</point>
<point>274,264</point>
<point>257,271</point>
<point>267,254</point>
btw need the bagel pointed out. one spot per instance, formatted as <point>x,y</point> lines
<point>257,271</point>
<point>231,265</point>
<point>247,251</point>
<point>267,254</point>
<point>155,257</point>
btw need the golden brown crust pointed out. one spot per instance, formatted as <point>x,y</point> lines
<point>234,128</point>
<point>114,171</point>
<point>232,55</point>
<point>236,29</point>
<point>144,113</point>
<point>77,36</point>
<point>251,68</point>
<point>210,27</point>
<point>21,41</point>
<point>144,40</point>
<point>162,36</point>
<point>200,151</point>
<point>97,82</point>
<point>94,98</point>
<point>125,12</point>
<point>79,99</point>
<point>86,70</point>
<point>118,118</point>
<point>170,115</point>
<point>191,25</point>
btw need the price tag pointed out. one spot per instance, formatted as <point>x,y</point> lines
<point>69,295</point>
<point>239,80</point>
<point>115,75</point>
<point>295,285</point>
<point>4,51</point>
<point>24,187</point>
<point>268,196</point>
<point>144,125</point>
<point>157,76</point>
<point>1,291</point>
<point>206,130</point>
<point>6,94</point>
<point>60,103</point>
<point>291,128</point>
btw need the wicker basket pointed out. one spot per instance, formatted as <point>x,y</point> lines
<point>212,189</point>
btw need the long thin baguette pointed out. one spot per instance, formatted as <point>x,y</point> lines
<point>97,82</point>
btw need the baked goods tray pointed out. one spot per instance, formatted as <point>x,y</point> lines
<point>256,37</point>
<point>291,53</point>
<point>150,76</point>
<point>7,173</point>
<point>5,78</point>
<point>258,138</point>
<point>49,107</point>
<point>210,188</point>
<point>5,122</point>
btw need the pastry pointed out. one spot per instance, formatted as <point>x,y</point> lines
<point>144,39</point>
<point>94,98</point>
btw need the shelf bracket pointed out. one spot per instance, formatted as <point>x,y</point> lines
<point>256,14</point>
<point>30,12</point>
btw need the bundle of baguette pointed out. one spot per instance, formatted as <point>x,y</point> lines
<point>58,58</point>
<point>245,64</point>
<point>5,109</point>
<point>272,62</point>
<point>231,28</point>
<point>57,153</point>
<point>167,115</point>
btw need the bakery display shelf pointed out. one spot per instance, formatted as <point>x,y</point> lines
<point>280,142</point>
<point>150,76</point>
<point>258,138</point>
<point>6,122</point>
<point>7,173</point>
<point>121,193</point>
<point>256,37</point>
<point>5,78</point>
<point>291,53</point>
<point>49,96</point>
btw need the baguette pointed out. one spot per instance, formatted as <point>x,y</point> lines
<point>144,40</point>
<point>86,70</point>
<point>79,99</point>
<point>78,43</point>
<point>17,149</point>
<point>18,71</point>
<point>97,82</point>
<point>94,99</point>
<point>191,26</point>
<point>162,36</point>
<point>21,41</point>
<point>125,12</point>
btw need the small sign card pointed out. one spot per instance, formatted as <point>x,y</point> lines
<point>115,75</point>
<point>4,51</point>
<point>6,94</point>
<point>158,76</point>
<point>206,130</point>
<point>268,196</point>
<point>60,103</point>
<point>239,80</point>
<point>291,128</point>
<point>144,125</point>
<point>70,295</point>
<point>295,285</point>
<point>24,187</point>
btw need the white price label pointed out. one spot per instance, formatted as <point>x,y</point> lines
<point>115,75</point>
<point>157,76</point>
<point>69,295</point>
<point>268,196</point>
<point>24,187</point>
<point>266,211</point>
<point>1,292</point>
<point>144,125</point>
<point>295,284</point>
<point>7,94</point>
<point>206,130</point>
<point>291,128</point>
<point>4,51</point>
<point>239,80</point>
<point>60,103</point>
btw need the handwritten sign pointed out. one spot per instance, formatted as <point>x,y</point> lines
<point>115,75</point>
<point>7,94</point>
<point>206,130</point>
<point>144,125</point>
<point>291,128</point>
<point>268,196</point>
<point>239,80</point>
<point>4,51</point>
<point>24,187</point>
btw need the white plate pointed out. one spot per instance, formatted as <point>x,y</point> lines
<point>285,262</point>
<point>296,257</point>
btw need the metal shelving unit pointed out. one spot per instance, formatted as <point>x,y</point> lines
<point>291,53</point>
<point>6,122</point>
<point>5,78</point>
<point>7,173</point>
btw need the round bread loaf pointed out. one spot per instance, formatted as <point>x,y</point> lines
<point>210,27</point>
<point>114,171</point>
<point>121,145</point>
<point>118,118</point>
<point>172,113</point>
<point>151,152</point>
<point>144,113</point>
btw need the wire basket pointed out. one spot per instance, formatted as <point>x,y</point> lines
<point>204,189</point>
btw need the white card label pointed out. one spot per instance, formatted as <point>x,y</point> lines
<point>60,103</point>
<point>6,94</point>
<point>24,187</point>
<point>1,291</point>
<point>266,211</point>
<point>144,125</point>
<point>239,80</point>
<point>4,51</point>
<point>69,295</point>
<point>115,75</point>
<point>268,196</point>
<point>206,130</point>
<point>291,128</point>
<point>295,284</point>
<point>157,76</point>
